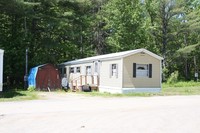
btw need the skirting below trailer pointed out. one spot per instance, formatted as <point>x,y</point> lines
<point>127,90</point>
<point>110,89</point>
<point>132,90</point>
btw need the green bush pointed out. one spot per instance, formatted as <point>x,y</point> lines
<point>173,78</point>
<point>187,84</point>
<point>30,89</point>
<point>165,74</point>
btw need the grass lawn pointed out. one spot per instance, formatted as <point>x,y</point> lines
<point>13,95</point>
<point>179,88</point>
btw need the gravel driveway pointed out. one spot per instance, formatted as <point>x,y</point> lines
<point>73,113</point>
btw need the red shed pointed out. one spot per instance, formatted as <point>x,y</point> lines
<point>46,77</point>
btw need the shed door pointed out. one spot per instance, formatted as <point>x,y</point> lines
<point>48,78</point>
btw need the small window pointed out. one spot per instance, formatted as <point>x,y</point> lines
<point>88,70</point>
<point>113,70</point>
<point>78,69</point>
<point>72,70</point>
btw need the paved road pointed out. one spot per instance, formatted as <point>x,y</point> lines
<point>69,113</point>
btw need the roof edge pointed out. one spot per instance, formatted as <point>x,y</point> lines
<point>145,51</point>
<point>74,62</point>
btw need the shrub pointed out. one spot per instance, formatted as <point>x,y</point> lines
<point>165,74</point>
<point>30,89</point>
<point>173,78</point>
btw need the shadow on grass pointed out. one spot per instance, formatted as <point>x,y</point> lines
<point>10,94</point>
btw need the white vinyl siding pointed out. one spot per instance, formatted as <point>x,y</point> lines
<point>106,78</point>
<point>86,78</point>
<point>96,67</point>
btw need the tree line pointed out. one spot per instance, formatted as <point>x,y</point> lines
<point>55,31</point>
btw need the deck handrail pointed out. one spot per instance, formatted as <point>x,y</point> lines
<point>79,78</point>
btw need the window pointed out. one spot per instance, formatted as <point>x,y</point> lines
<point>78,69</point>
<point>65,70</point>
<point>88,70</point>
<point>142,70</point>
<point>71,69</point>
<point>114,70</point>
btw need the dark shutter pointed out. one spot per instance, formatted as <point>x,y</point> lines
<point>134,70</point>
<point>65,70</point>
<point>150,70</point>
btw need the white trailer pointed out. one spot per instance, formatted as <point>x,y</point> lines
<point>1,69</point>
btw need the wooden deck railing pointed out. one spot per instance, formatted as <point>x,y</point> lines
<point>77,82</point>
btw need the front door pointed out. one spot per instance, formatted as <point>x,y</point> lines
<point>96,72</point>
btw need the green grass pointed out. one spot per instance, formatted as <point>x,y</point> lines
<point>179,88</point>
<point>106,94</point>
<point>13,95</point>
<point>182,84</point>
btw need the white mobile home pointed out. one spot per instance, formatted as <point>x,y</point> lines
<point>1,69</point>
<point>123,72</point>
